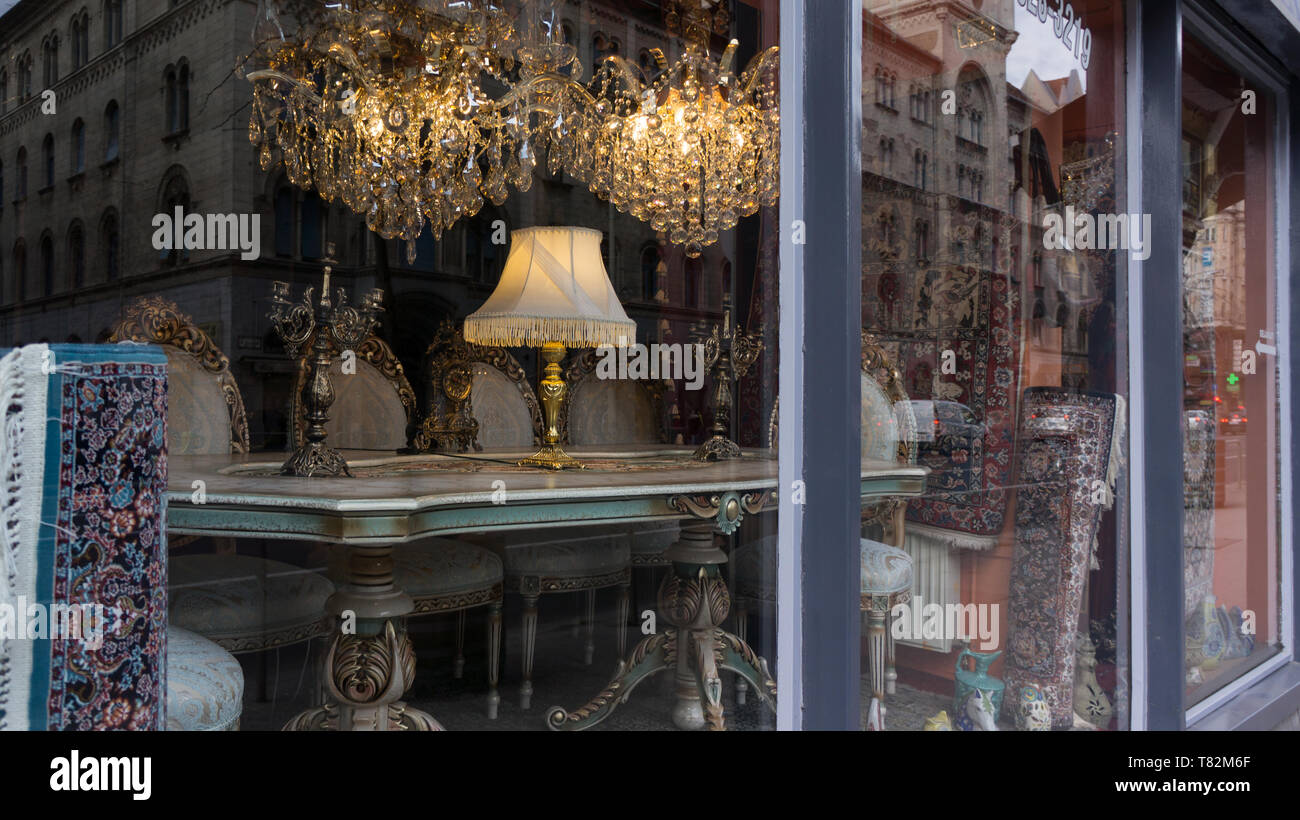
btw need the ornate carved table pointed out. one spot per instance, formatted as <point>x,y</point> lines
<point>392,500</point>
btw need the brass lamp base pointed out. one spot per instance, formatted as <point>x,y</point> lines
<point>553,392</point>
<point>315,458</point>
<point>551,457</point>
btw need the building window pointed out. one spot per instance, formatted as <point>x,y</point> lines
<point>47,265</point>
<point>80,39</point>
<point>50,59</point>
<point>112,127</point>
<point>78,146</point>
<point>175,194</point>
<point>112,23</point>
<point>284,221</point>
<point>24,78</point>
<point>109,242</point>
<point>177,82</point>
<point>20,185</point>
<point>77,254</point>
<point>47,161</point>
<point>20,271</point>
<point>313,226</point>
<point>4,91</point>
<point>650,260</point>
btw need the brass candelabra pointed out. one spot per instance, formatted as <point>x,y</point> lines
<point>311,324</point>
<point>728,353</point>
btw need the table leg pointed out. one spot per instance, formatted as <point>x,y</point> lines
<point>371,663</point>
<point>694,600</point>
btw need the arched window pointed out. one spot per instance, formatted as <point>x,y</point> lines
<point>47,161</point>
<point>50,58</point>
<point>602,47</point>
<point>694,274</point>
<point>284,220</point>
<point>109,245</point>
<point>650,259</point>
<point>112,129</point>
<point>77,37</point>
<point>24,77</point>
<point>20,185</point>
<point>47,264</point>
<point>313,226</point>
<point>177,82</point>
<point>112,23</point>
<point>175,194</point>
<point>77,254</point>
<point>78,146</point>
<point>20,271</point>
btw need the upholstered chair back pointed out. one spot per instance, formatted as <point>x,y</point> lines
<point>374,404</point>
<point>500,404</point>
<point>888,421</point>
<point>610,411</point>
<point>204,407</point>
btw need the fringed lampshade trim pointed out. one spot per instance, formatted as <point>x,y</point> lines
<point>514,330</point>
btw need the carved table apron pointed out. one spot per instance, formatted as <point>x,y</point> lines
<point>394,500</point>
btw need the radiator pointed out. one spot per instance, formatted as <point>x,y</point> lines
<point>936,579</point>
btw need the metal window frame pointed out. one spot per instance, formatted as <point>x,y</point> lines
<point>818,634</point>
<point>1154,90</point>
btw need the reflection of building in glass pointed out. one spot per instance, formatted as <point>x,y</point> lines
<point>151,118</point>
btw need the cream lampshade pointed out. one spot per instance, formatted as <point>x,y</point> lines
<point>554,293</point>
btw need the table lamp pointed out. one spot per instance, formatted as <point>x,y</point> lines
<point>553,293</point>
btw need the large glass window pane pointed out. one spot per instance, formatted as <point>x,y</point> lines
<point>567,168</point>
<point>1230,399</point>
<point>993,355</point>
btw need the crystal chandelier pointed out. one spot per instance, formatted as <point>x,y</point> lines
<point>376,103</point>
<point>696,149</point>
<point>382,104</point>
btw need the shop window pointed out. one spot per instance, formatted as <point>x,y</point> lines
<point>1231,420</point>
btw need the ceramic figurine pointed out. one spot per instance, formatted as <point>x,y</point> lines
<point>978,678</point>
<point>1033,714</point>
<point>939,723</point>
<point>1090,701</point>
<point>875,716</point>
<point>1216,641</point>
<point>977,713</point>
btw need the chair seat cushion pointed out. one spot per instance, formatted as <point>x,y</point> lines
<point>885,570</point>
<point>652,538</point>
<point>205,685</point>
<point>246,603</point>
<point>436,568</point>
<point>566,553</point>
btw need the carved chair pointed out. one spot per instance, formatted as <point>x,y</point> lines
<point>244,603</point>
<point>888,434</point>
<point>375,409</point>
<point>504,413</point>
